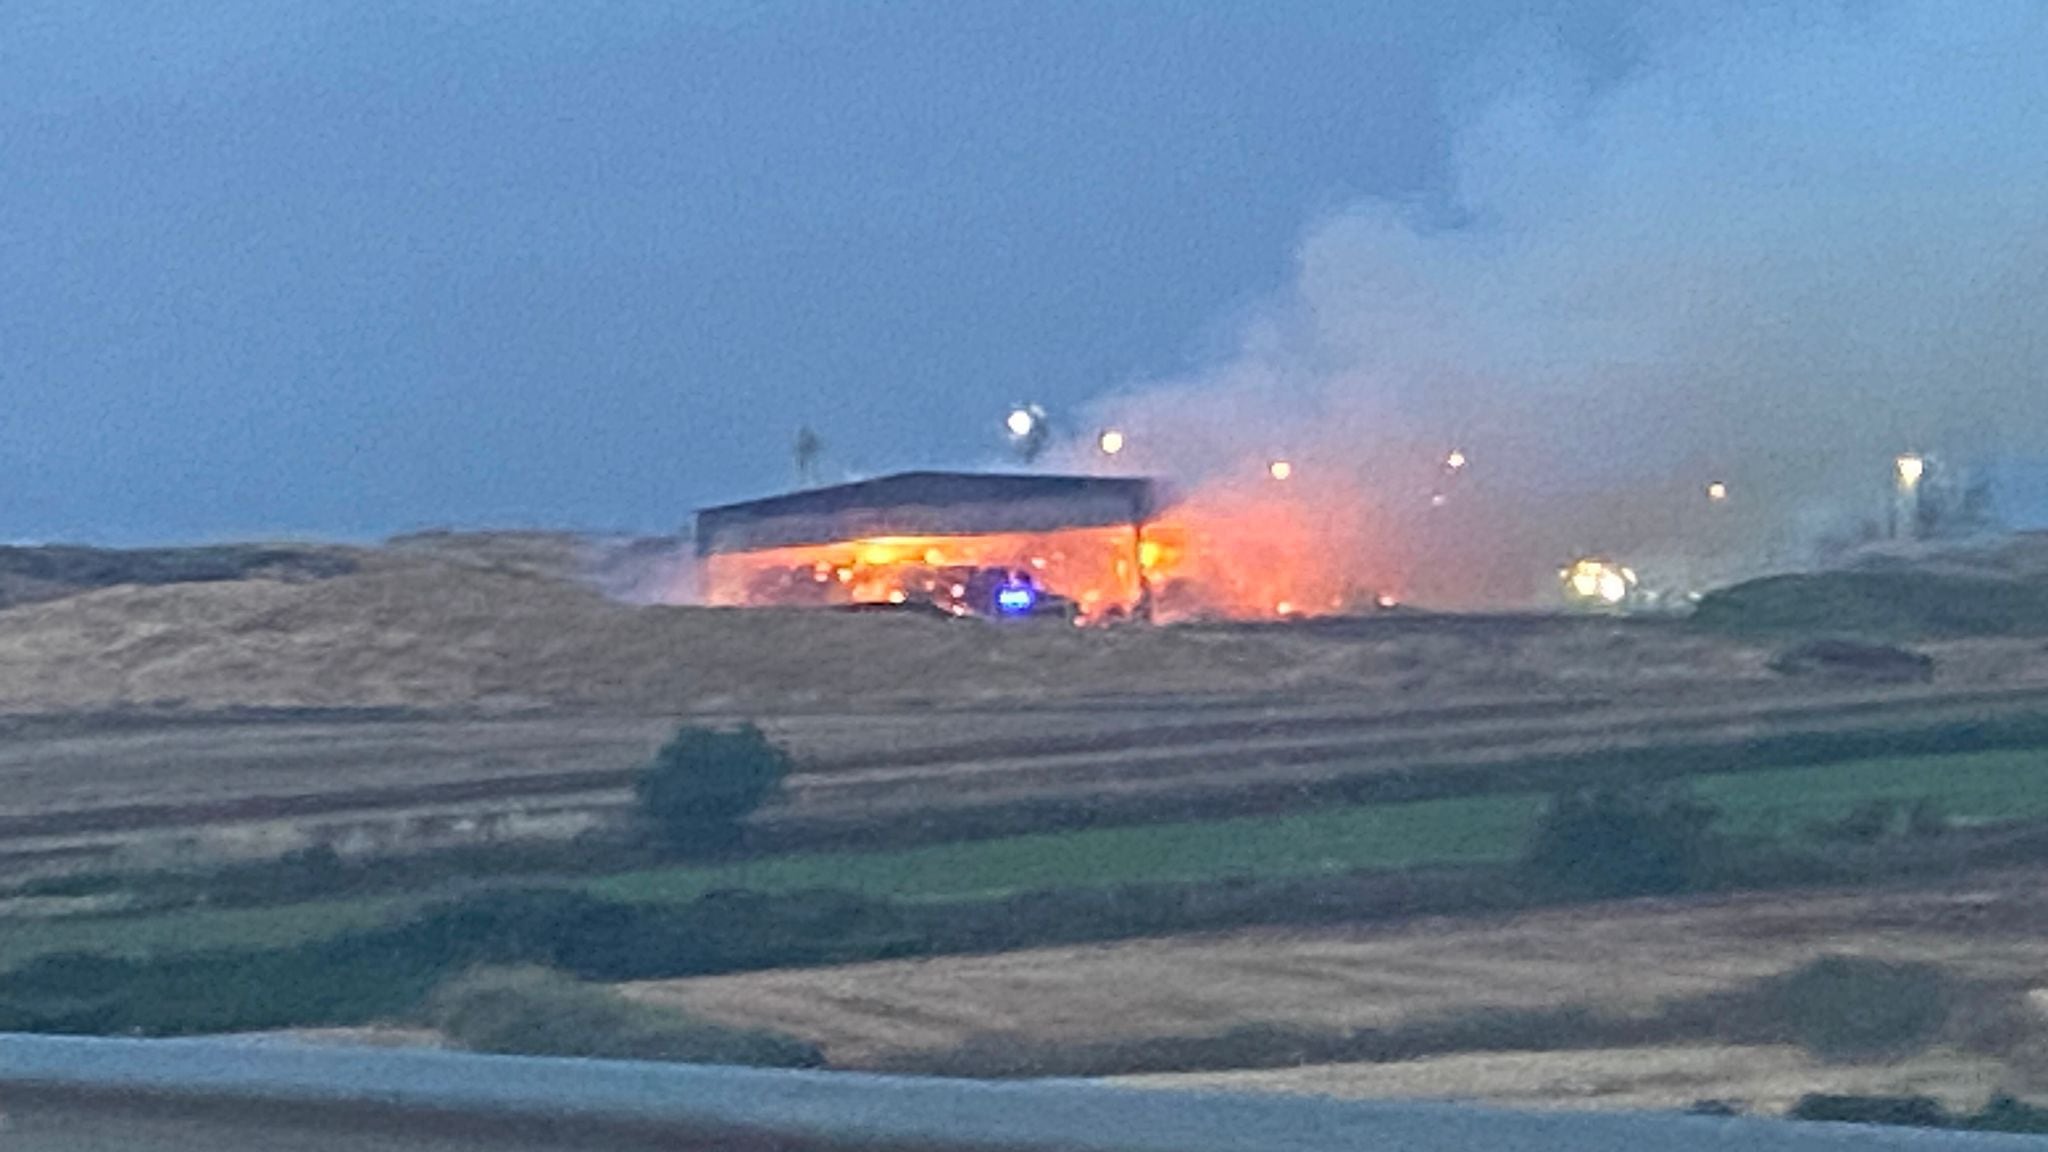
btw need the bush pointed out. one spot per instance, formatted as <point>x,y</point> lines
<point>1623,840</point>
<point>1893,1111</point>
<point>1878,604</point>
<point>1927,818</point>
<point>705,781</point>
<point>1854,660</point>
<point>386,971</point>
<point>530,1011</point>
<point>2000,1114</point>
<point>1868,823</point>
<point>1852,1008</point>
<point>1881,820</point>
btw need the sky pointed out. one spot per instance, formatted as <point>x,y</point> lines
<point>282,268</point>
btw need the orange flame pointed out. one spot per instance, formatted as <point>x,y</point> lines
<point>1097,568</point>
<point>1230,551</point>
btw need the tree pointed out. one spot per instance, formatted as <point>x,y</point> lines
<point>704,783</point>
<point>1623,840</point>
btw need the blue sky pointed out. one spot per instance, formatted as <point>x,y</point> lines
<point>280,268</point>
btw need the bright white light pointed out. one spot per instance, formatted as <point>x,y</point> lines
<point>1021,421</point>
<point>1717,491</point>
<point>1111,442</point>
<point>1280,469</point>
<point>1911,468</point>
<point>1591,579</point>
<point>1455,461</point>
<point>1613,586</point>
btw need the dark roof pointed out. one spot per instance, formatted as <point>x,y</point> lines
<point>924,504</point>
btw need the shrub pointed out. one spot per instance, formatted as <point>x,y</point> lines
<point>1894,1111</point>
<point>1867,823</point>
<point>559,927</point>
<point>705,781</point>
<point>533,1011</point>
<point>1854,660</point>
<point>1853,1008</point>
<point>2002,1113</point>
<point>1878,604</point>
<point>1926,818</point>
<point>1623,840</point>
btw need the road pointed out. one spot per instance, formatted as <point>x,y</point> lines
<point>73,1095</point>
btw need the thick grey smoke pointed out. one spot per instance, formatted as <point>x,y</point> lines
<point>1782,249</point>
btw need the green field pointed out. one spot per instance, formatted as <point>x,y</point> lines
<point>1970,788</point>
<point>195,930</point>
<point>1464,831</point>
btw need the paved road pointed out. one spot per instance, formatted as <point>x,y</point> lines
<point>71,1095</point>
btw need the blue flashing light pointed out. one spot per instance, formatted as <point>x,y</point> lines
<point>1015,598</point>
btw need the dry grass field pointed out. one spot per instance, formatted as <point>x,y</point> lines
<point>450,690</point>
<point>453,687</point>
<point>1758,1078</point>
<point>89,785</point>
<point>1619,959</point>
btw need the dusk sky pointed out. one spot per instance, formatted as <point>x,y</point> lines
<point>313,269</point>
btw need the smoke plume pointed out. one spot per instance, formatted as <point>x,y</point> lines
<point>1779,250</point>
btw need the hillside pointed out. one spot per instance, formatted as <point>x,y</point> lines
<point>513,623</point>
<point>1992,588</point>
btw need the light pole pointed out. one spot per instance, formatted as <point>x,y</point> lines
<point>1908,471</point>
<point>1029,431</point>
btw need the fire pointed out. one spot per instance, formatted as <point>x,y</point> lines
<point>1231,550</point>
<point>1249,551</point>
<point>1094,568</point>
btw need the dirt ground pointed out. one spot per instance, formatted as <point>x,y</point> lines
<point>1618,958</point>
<point>512,622</point>
<point>417,631</point>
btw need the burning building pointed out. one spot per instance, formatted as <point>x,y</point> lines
<point>1271,543</point>
<point>965,543</point>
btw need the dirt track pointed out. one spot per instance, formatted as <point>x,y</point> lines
<point>82,787</point>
